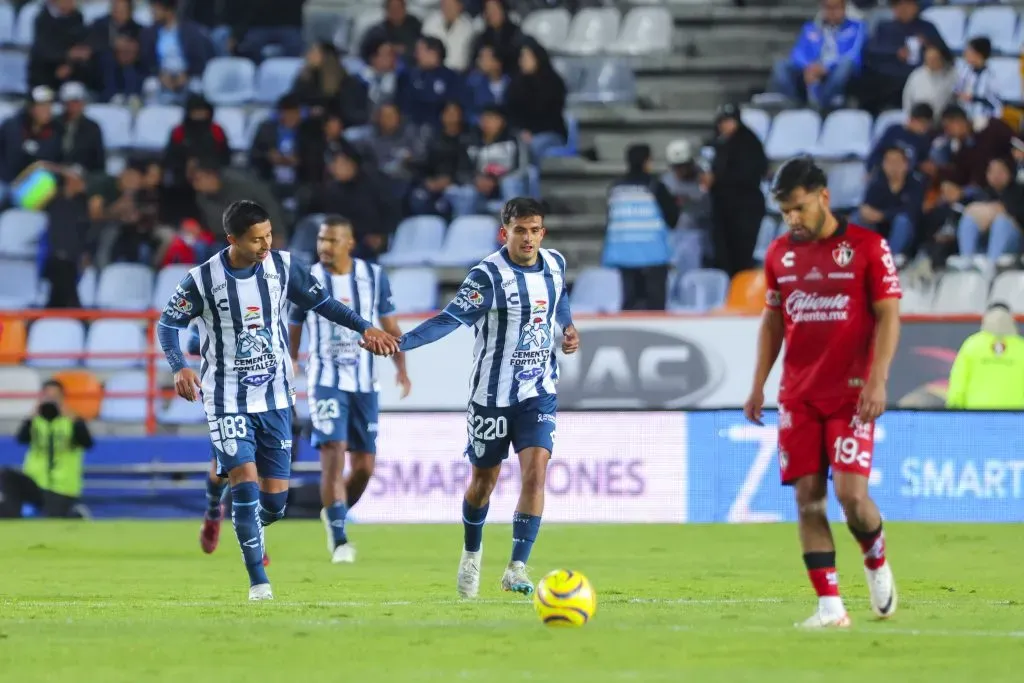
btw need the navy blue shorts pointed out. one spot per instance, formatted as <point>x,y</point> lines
<point>529,424</point>
<point>346,417</point>
<point>262,438</point>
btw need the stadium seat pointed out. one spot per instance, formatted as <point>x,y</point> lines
<point>115,336</point>
<point>87,287</point>
<point>571,70</point>
<point>166,280</point>
<point>963,292</point>
<point>645,30</point>
<point>569,149</point>
<point>414,290</point>
<point>1006,72</point>
<point>416,240</point>
<point>950,23</point>
<point>115,122</point>
<point>606,81</point>
<point>469,239</point>
<point>998,24</point>
<point>698,291</point>
<point>124,409</point>
<point>20,231</point>
<point>597,290</point>
<point>275,78</point>
<point>229,81</point>
<point>7,110</point>
<point>153,126</point>
<point>232,120</point>
<point>53,336</point>
<point>364,21</point>
<point>591,31</point>
<point>7,21</point>
<point>888,118</point>
<point>181,412</point>
<point>915,301</point>
<point>747,291</point>
<point>125,287</point>
<point>846,133</point>
<point>757,120</point>
<point>1008,288</point>
<point>793,132</point>
<point>19,284</point>
<point>24,381</point>
<point>550,27</point>
<point>768,232</point>
<point>846,184</point>
<point>25,26</point>
<point>13,73</point>
<point>83,391</point>
<point>13,338</point>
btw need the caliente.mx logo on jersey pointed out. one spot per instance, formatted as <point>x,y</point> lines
<point>533,349</point>
<point>254,349</point>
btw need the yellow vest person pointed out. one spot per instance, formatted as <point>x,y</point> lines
<point>988,373</point>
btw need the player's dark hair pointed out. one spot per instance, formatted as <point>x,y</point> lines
<point>521,207</point>
<point>798,173</point>
<point>56,384</point>
<point>242,215</point>
<point>336,220</point>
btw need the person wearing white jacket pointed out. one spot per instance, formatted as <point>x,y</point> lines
<point>932,82</point>
<point>454,28</point>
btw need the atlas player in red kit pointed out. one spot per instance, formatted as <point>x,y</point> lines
<point>833,297</point>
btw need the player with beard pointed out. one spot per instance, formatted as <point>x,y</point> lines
<point>833,296</point>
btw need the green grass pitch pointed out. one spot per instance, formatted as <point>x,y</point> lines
<point>138,601</point>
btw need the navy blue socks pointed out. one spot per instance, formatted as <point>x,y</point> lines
<point>524,533</point>
<point>244,500</point>
<point>473,525</point>
<point>271,507</point>
<point>336,516</point>
<point>214,492</point>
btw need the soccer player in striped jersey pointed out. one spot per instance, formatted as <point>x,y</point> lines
<point>513,300</point>
<point>342,377</point>
<point>240,296</point>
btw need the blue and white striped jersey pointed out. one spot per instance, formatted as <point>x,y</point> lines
<point>512,310</point>
<point>243,334</point>
<point>335,358</point>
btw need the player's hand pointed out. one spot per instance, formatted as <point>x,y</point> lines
<point>570,340</point>
<point>871,403</point>
<point>752,409</point>
<point>379,342</point>
<point>403,381</point>
<point>186,383</point>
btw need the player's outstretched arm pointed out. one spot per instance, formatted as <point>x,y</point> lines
<point>470,304</point>
<point>429,331</point>
<point>184,305</point>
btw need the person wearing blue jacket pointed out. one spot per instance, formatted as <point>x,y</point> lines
<point>424,90</point>
<point>826,56</point>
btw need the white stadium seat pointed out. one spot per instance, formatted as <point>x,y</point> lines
<point>597,290</point>
<point>885,120</point>
<point>550,27</point>
<point>950,23</point>
<point>115,122</point>
<point>592,30</point>
<point>24,381</point>
<point>793,132</point>
<point>154,124</point>
<point>699,291</point>
<point>961,292</point>
<point>19,284</point>
<point>166,280</point>
<point>275,78</point>
<point>115,409</point>
<point>56,335</point>
<point>115,336</point>
<point>125,286</point>
<point>229,80</point>
<point>1008,288</point>
<point>20,232</point>
<point>414,290</point>
<point>645,30</point>
<point>998,24</point>
<point>757,120</point>
<point>469,239</point>
<point>416,240</point>
<point>845,133</point>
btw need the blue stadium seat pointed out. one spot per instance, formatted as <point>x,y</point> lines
<point>55,335</point>
<point>229,81</point>
<point>846,133</point>
<point>550,27</point>
<point>232,120</point>
<point>125,287</point>
<point>166,281</point>
<point>87,287</point>
<point>114,409</point>
<point>597,290</point>
<point>950,23</point>
<point>591,31</point>
<point>115,122</point>
<point>414,290</point>
<point>20,232</point>
<point>645,30</point>
<point>416,240</point>
<point>793,132</point>
<point>998,24</point>
<point>13,73</point>
<point>25,26</point>
<point>757,120</point>
<point>19,284</point>
<point>1006,72</point>
<point>275,78</point>
<point>181,412</point>
<point>7,21</point>
<point>153,126</point>
<point>888,118</point>
<point>699,291</point>
<point>115,336</point>
<point>469,239</point>
<point>846,184</point>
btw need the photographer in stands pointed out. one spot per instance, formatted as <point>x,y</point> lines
<point>51,477</point>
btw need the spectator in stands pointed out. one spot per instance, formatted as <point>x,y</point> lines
<point>535,101</point>
<point>501,35</point>
<point>682,180</point>
<point>105,31</point>
<point>381,72</point>
<point>988,373</point>
<point>274,156</point>
<point>892,53</point>
<point>446,165</point>
<point>976,87</point>
<point>121,72</point>
<point>30,136</point>
<point>425,89</point>
<point>361,197</point>
<point>453,27</point>
<point>893,202</point>
<point>914,137</point>
<point>997,211</point>
<point>197,135</point>
<point>399,28</point>
<point>486,85</point>
<point>82,139</point>
<point>268,28</point>
<point>217,188</point>
<point>51,477</point>
<point>67,234</point>
<point>737,203</point>
<point>189,245</point>
<point>215,18</point>
<point>962,155</point>
<point>826,56</point>
<point>125,217</point>
<point>640,212</point>
<point>397,148</point>
<point>174,53</point>
<point>320,139</point>
<point>60,50</point>
<point>324,80</point>
<point>495,157</point>
<point>933,82</point>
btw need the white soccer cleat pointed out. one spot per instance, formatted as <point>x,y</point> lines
<point>822,619</point>
<point>344,554</point>
<point>468,583</point>
<point>261,591</point>
<point>515,579</point>
<point>882,587</point>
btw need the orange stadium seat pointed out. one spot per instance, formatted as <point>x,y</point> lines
<point>12,341</point>
<point>746,292</point>
<point>84,392</point>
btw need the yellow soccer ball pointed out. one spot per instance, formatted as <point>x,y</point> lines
<point>565,598</point>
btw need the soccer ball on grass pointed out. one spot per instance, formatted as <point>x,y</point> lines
<point>565,598</point>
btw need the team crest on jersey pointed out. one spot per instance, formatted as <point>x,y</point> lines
<point>533,349</point>
<point>254,355</point>
<point>843,255</point>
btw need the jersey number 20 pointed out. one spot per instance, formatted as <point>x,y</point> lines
<point>488,428</point>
